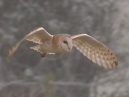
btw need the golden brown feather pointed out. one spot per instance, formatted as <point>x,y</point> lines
<point>95,50</point>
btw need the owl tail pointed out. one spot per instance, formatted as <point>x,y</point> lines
<point>37,48</point>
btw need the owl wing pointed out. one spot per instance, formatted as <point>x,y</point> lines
<point>37,36</point>
<point>95,50</point>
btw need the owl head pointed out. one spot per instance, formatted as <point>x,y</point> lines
<point>65,43</point>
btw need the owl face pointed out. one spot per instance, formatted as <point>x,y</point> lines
<point>66,43</point>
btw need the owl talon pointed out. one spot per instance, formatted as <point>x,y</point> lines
<point>43,55</point>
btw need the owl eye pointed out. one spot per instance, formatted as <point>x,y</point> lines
<point>65,42</point>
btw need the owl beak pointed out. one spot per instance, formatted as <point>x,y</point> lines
<point>69,47</point>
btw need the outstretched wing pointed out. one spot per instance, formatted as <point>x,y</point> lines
<point>38,35</point>
<point>95,50</point>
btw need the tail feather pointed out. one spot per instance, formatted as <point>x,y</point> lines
<point>36,48</point>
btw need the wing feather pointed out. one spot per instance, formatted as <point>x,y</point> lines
<point>38,35</point>
<point>95,50</point>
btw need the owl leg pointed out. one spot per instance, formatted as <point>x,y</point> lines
<point>43,55</point>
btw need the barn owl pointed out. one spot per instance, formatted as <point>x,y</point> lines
<point>60,43</point>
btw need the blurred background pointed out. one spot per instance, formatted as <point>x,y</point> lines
<point>26,74</point>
